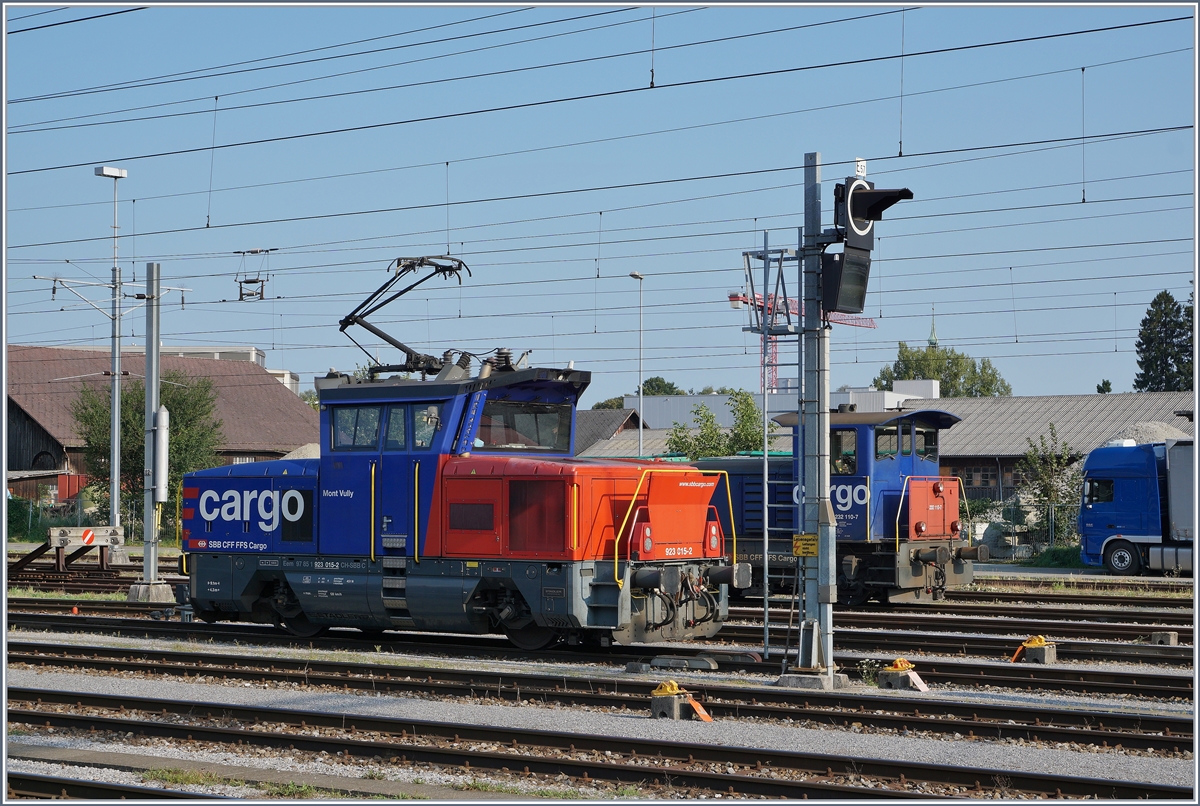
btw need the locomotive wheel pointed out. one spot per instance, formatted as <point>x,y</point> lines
<point>301,627</point>
<point>532,637</point>
<point>1122,559</point>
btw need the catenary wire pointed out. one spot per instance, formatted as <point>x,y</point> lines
<point>81,19</point>
<point>591,96</point>
<point>23,128</point>
<point>672,130</point>
<point>600,188</point>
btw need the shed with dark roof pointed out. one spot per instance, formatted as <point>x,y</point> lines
<point>261,418</point>
<point>594,425</point>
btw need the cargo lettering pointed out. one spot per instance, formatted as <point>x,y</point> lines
<point>845,495</point>
<point>241,506</point>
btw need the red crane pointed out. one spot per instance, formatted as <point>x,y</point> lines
<point>739,298</point>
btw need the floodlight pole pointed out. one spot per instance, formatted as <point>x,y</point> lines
<point>114,461</point>
<point>641,403</point>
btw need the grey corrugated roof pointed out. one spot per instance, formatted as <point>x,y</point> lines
<point>592,425</point>
<point>998,426</point>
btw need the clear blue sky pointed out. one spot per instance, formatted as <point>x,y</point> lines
<point>1020,269</point>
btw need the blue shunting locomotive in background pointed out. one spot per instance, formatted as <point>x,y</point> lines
<point>899,534</point>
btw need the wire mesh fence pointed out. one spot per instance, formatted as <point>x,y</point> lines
<point>1016,529</point>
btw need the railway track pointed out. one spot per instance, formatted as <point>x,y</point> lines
<point>1059,597</point>
<point>27,785</point>
<point>683,766</point>
<point>1177,619</point>
<point>1102,729</point>
<point>909,639</point>
<point>953,672</point>
<point>908,619</point>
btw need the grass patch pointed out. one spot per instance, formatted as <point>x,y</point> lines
<point>1057,557</point>
<point>487,786</point>
<point>31,593</point>
<point>290,790</point>
<point>398,796</point>
<point>178,777</point>
<point>374,775</point>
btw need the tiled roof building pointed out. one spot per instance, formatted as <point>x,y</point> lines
<point>261,418</point>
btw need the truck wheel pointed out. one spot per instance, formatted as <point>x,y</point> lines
<point>1122,559</point>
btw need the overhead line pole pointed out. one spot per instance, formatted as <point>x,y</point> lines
<point>818,519</point>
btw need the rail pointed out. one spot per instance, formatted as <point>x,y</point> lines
<point>632,501</point>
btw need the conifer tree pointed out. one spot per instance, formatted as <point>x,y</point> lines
<point>1164,347</point>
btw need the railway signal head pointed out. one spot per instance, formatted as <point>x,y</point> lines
<point>844,280</point>
<point>858,205</point>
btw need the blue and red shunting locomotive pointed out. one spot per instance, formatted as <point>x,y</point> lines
<point>899,533</point>
<point>454,505</point>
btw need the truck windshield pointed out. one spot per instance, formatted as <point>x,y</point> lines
<point>512,426</point>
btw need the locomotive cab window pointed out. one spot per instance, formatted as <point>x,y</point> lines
<point>356,428</point>
<point>394,440</point>
<point>906,438</point>
<point>843,452</point>
<point>426,422</point>
<point>1097,491</point>
<point>514,426</point>
<point>886,442</point>
<point>926,442</point>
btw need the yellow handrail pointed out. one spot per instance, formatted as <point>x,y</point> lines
<point>962,491</point>
<point>633,500</point>
<point>372,511</point>
<point>417,512</point>
<point>868,510</point>
<point>900,507</point>
<point>574,516</point>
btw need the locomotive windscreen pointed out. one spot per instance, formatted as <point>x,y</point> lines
<point>513,426</point>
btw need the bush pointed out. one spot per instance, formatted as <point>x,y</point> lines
<point>18,518</point>
<point>28,523</point>
<point>1057,557</point>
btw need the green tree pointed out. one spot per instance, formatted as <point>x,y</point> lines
<point>711,440</point>
<point>1050,477</point>
<point>195,435</point>
<point>310,397</point>
<point>1104,387</point>
<point>1164,347</point>
<point>960,375</point>
<point>660,386</point>
<point>651,386</point>
<point>709,390</point>
<point>611,403</point>
<point>1184,347</point>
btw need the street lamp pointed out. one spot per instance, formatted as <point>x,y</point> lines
<point>114,469</point>
<point>641,404</point>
